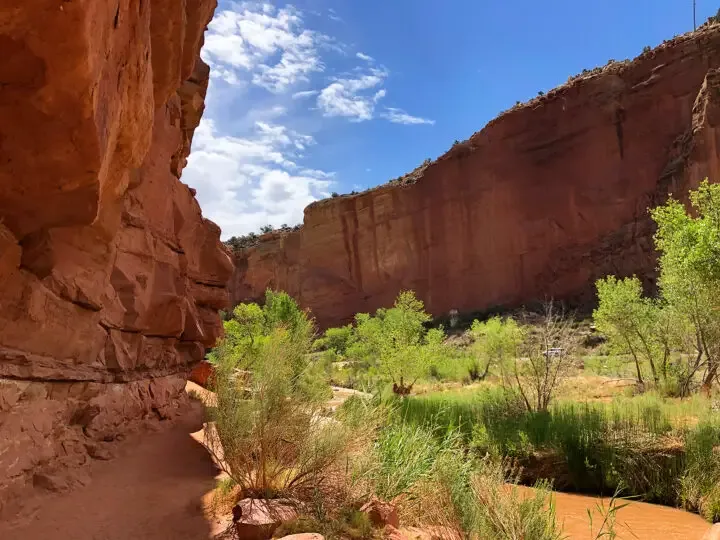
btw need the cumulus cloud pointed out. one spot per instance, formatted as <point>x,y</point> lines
<point>269,76</point>
<point>246,182</point>
<point>353,98</point>
<point>398,116</point>
<point>269,46</point>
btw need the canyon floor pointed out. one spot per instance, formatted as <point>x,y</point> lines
<point>156,485</point>
<point>152,490</point>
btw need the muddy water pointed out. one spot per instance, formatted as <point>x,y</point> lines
<point>637,520</point>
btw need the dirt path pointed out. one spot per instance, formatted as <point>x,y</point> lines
<point>151,491</point>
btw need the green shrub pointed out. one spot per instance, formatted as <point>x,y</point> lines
<point>268,420</point>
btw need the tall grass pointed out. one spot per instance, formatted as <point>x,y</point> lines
<point>662,450</point>
<point>437,484</point>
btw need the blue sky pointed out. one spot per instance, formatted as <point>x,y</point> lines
<point>316,96</point>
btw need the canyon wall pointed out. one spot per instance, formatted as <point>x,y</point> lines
<point>546,198</point>
<point>110,278</point>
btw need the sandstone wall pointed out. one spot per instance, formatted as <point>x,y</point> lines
<point>546,198</point>
<point>110,278</point>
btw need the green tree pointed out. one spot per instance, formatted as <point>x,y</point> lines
<point>251,325</point>
<point>337,339</point>
<point>496,341</point>
<point>630,322</point>
<point>397,341</point>
<point>689,281</point>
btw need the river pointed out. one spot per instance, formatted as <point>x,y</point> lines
<point>638,520</point>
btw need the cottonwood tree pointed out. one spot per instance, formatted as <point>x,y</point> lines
<point>629,320</point>
<point>496,341</point>
<point>690,269</point>
<point>398,342</point>
<point>687,314</point>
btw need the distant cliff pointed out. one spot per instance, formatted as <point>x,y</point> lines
<point>547,197</point>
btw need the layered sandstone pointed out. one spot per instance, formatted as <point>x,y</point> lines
<point>541,202</point>
<point>110,278</point>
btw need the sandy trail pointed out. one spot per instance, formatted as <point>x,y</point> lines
<point>152,490</point>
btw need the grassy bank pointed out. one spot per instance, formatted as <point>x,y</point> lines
<point>662,450</point>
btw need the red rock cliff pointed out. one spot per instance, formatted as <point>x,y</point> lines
<point>110,278</point>
<point>541,202</point>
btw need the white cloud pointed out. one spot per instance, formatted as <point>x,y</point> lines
<point>348,97</point>
<point>304,94</point>
<point>333,16</point>
<point>247,162</point>
<point>398,116</point>
<point>269,44</point>
<point>246,182</point>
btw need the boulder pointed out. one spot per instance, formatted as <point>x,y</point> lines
<point>257,519</point>
<point>381,513</point>
<point>202,374</point>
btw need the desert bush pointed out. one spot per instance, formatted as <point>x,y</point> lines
<point>270,436</point>
<point>544,358</point>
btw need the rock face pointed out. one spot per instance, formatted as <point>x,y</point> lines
<point>110,278</point>
<point>545,199</point>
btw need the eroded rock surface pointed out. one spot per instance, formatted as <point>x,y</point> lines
<point>110,278</point>
<point>545,199</point>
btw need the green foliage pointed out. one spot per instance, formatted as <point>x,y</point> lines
<point>337,339</point>
<point>236,243</point>
<point>270,397</point>
<point>251,326</point>
<point>397,342</point>
<point>690,270</point>
<point>687,315</point>
<point>633,324</point>
<point>630,443</point>
<point>497,341</point>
